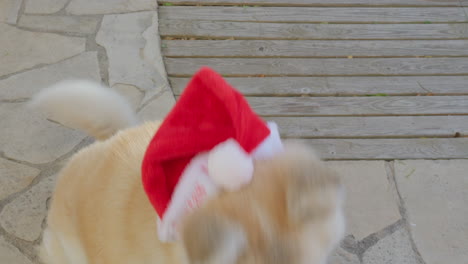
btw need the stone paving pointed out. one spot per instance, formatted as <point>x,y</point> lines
<point>411,211</point>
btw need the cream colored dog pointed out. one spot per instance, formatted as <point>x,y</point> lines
<point>99,214</point>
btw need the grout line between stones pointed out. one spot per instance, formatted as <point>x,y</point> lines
<point>129,84</point>
<point>149,100</point>
<point>60,12</point>
<point>38,66</point>
<point>26,248</point>
<point>116,13</point>
<point>163,58</point>
<point>13,101</point>
<point>33,165</point>
<point>43,174</point>
<point>390,169</point>
<point>390,173</point>
<point>57,32</point>
<point>46,169</point>
<point>103,59</point>
<point>64,9</point>
<point>21,11</point>
<point>360,247</point>
<point>13,17</point>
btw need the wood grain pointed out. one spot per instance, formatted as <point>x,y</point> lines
<point>382,126</point>
<point>314,67</point>
<point>221,29</point>
<point>314,48</point>
<point>363,106</point>
<point>321,2</point>
<point>314,14</point>
<point>373,149</point>
<point>328,86</point>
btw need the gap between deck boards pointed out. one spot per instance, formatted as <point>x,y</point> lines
<point>318,3</point>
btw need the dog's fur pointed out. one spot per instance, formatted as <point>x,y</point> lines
<point>99,214</point>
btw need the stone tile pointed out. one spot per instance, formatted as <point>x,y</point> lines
<point>435,194</point>
<point>152,56</point>
<point>44,6</point>
<point>23,216</point>
<point>10,254</point>
<point>14,177</point>
<point>131,56</point>
<point>25,85</point>
<point>87,7</point>
<point>20,49</point>
<point>341,256</point>
<point>158,108</point>
<point>74,24</point>
<point>370,199</point>
<point>392,249</point>
<point>9,11</point>
<point>131,93</point>
<point>28,136</point>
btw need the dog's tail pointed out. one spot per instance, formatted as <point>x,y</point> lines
<point>85,105</point>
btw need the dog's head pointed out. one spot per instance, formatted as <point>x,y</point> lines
<point>290,213</point>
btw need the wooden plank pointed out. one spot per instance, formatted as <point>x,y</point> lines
<point>314,14</point>
<point>314,48</point>
<point>221,29</point>
<point>319,2</point>
<point>361,106</point>
<point>314,67</point>
<point>382,126</point>
<point>326,86</point>
<point>430,148</point>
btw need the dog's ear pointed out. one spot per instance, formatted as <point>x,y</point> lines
<point>211,238</point>
<point>313,190</point>
<point>310,199</point>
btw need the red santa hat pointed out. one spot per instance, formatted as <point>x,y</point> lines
<point>207,143</point>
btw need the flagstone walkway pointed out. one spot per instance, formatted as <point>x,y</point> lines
<point>379,87</point>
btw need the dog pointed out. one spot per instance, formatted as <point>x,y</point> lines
<point>291,212</point>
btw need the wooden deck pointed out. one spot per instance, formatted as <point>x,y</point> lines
<point>358,79</point>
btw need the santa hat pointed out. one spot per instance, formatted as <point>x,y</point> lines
<point>207,143</point>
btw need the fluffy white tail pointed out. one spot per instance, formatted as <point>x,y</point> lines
<point>85,105</point>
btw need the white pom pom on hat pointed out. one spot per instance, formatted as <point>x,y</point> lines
<point>229,165</point>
